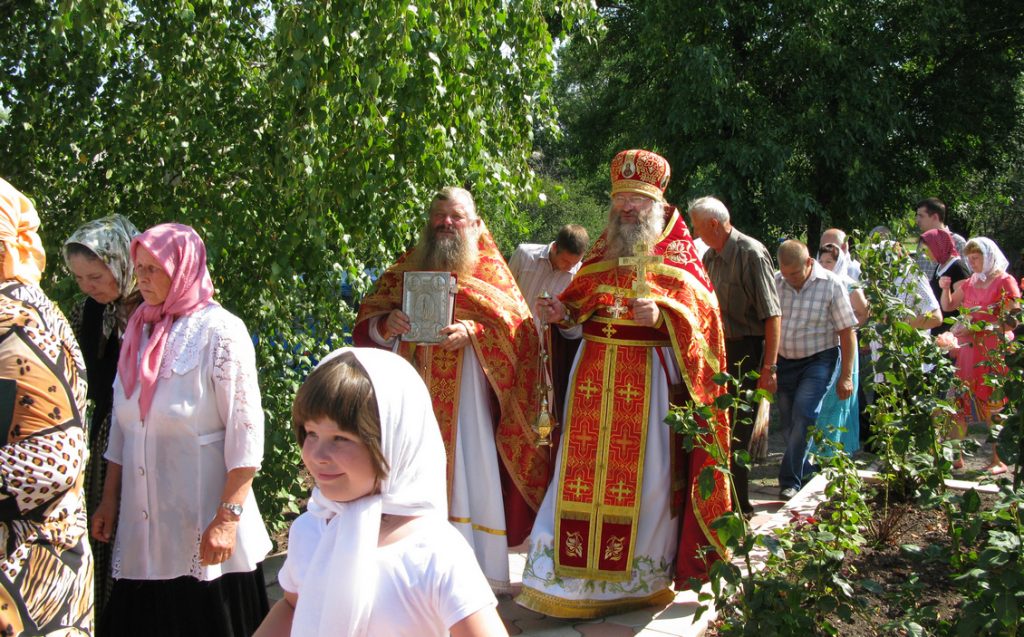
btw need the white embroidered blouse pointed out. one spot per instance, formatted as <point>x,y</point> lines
<point>206,419</point>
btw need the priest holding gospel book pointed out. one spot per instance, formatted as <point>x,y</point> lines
<point>482,373</point>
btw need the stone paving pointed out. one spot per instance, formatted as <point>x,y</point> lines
<point>677,618</point>
<point>674,619</point>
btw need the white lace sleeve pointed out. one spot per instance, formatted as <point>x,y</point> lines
<point>238,393</point>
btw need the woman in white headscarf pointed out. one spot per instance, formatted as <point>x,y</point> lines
<point>98,254</point>
<point>840,419</point>
<point>989,293</point>
<point>375,554</point>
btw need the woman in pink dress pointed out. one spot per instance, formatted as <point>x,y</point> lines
<point>989,292</point>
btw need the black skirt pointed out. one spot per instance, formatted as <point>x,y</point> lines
<point>232,605</point>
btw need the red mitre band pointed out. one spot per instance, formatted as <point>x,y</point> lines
<point>640,171</point>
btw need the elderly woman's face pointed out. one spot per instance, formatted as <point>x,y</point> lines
<point>94,278</point>
<point>154,283</point>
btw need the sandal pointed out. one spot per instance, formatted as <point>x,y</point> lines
<point>997,469</point>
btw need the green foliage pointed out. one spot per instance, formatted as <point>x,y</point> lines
<point>992,570</point>
<point>993,583</point>
<point>917,378</point>
<point>985,544</point>
<point>302,139</point>
<point>565,202</point>
<point>692,421</point>
<point>800,113</point>
<point>990,202</point>
<point>801,585</point>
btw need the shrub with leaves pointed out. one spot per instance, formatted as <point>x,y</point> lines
<point>993,578</point>
<point>302,139</point>
<point>911,415</point>
<point>801,584</point>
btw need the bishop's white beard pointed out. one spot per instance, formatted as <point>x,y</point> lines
<point>622,238</point>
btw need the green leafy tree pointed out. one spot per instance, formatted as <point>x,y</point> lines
<point>302,139</point>
<point>992,202</point>
<point>803,112</point>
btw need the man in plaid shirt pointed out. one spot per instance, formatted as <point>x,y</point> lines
<point>817,325</point>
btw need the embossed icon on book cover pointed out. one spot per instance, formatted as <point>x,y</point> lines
<point>428,298</point>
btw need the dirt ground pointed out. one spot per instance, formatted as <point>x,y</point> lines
<point>909,583</point>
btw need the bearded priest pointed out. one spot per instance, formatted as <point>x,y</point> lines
<point>623,516</point>
<point>482,376</point>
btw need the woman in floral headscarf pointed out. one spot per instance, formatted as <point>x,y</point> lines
<point>45,560</point>
<point>986,295</point>
<point>98,256</point>
<point>186,439</point>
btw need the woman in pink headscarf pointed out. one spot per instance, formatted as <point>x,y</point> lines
<point>942,251</point>
<point>186,439</point>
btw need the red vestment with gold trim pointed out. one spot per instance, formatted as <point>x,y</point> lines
<point>600,476</point>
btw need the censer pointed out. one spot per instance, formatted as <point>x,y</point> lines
<point>545,422</point>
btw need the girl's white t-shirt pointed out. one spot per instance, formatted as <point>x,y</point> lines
<point>428,581</point>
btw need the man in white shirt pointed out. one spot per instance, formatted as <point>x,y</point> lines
<point>540,268</point>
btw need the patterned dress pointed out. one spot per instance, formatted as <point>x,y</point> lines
<point>45,562</point>
<point>978,355</point>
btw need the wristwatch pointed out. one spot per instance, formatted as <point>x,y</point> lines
<point>234,509</point>
<point>771,368</point>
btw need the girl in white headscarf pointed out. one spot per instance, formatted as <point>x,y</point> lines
<point>989,293</point>
<point>374,554</point>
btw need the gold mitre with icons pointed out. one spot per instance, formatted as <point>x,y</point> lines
<point>640,171</point>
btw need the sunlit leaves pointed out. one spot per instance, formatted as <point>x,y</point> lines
<point>302,139</point>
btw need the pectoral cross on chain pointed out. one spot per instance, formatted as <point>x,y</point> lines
<point>640,262</point>
<point>618,309</point>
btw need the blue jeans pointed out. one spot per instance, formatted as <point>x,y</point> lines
<point>802,384</point>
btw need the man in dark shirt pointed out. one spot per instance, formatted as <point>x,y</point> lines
<point>741,270</point>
